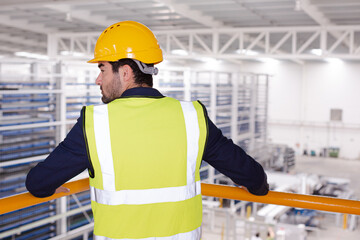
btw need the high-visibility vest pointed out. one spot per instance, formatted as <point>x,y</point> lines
<point>146,154</point>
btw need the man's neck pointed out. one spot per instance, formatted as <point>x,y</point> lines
<point>135,85</point>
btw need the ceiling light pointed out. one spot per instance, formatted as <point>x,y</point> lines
<point>334,60</point>
<point>74,54</point>
<point>210,60</point>
<point>317,51</point>
<point>65,53</point>
<point>269,60</point>
<point>180,52</point>
<point>68,17</point>
<point>246,52</point>
<point>31,55</point>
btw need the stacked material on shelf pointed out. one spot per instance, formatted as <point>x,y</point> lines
<point>83,218</point>
<point>25,216</point>
<point>25,134</point>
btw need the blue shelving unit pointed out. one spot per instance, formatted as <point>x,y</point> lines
<point>19,144</point>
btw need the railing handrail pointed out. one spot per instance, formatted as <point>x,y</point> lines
<point>24,200</point>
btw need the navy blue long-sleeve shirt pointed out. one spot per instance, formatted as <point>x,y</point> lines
<point>70,158</point>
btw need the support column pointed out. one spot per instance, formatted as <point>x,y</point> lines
<point>61,225</point>
<point>234,107</point>
<point>52,46</point>
<point>265,134</point>
<point>213,86</point>
<point>228,225</point>
<point>252,117</point>
<point>254,210</point>
<point>303,109</point>
<point>187,85</point>
<point>213,95</point>
<point>34,70</point>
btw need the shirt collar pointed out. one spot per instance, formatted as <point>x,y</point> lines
<point>142,91</point>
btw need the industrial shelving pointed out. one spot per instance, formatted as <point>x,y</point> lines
<point>36,113</point>
<point>236,103</point>
<point>36,117</point>
<point>18,109</point>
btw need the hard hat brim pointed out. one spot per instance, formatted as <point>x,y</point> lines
<point>152,56</point>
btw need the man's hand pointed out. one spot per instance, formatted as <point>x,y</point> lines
<point>245,188</point>
<point>62,189</point>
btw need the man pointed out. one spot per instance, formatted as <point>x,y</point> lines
<point>143,150</point>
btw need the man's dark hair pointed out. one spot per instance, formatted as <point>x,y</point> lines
<point>140,77</point>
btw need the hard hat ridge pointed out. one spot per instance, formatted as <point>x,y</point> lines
<point>127,39</point>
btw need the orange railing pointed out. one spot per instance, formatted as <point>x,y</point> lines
<point>24,200</point>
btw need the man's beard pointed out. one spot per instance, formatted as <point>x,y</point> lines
<point>106,99</point>
<point>114,92</point>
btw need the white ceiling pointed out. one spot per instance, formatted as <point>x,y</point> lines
<point>24,24</point>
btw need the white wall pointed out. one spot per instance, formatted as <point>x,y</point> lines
<point>300,99</point>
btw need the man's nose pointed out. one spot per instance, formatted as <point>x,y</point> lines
<point>98,80</point>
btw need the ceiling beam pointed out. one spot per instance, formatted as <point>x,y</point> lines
<point>255,13</point>
<point>22,41</point>
<point>320,18</point>
<point>24,25</point>
<point>314,13</point>
<point>186,11</point>
<point>335,2</point>
<point>14,49</point>
<point>262,44</point>
<point>37,3</point>
<point>84,15</point>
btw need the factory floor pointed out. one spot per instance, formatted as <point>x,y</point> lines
<point>339,168</point>
<point>331,167</point>
<point>331,224</point>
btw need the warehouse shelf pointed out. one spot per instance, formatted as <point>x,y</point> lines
<point>28,133</point>
<point>28,215</point>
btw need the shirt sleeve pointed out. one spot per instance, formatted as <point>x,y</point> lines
<point>233,162</point>
<point>67,160</point>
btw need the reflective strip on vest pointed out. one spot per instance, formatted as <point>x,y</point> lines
<point>103,144</point>
<point>195,234</point>
<point>146,196</point>
<point>192,137</point>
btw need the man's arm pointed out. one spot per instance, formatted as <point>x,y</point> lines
<point>232,161</point>
<point>67,160</point>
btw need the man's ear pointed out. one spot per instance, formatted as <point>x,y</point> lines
<point>127,73</point>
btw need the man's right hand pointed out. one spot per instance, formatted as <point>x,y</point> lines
<point>62,189</point>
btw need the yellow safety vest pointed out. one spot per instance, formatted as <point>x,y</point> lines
<point>146,154</point>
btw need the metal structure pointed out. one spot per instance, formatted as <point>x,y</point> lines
<point>25,25</point>
<point>289,43</point>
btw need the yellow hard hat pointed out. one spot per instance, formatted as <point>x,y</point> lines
<point>127,39</point>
